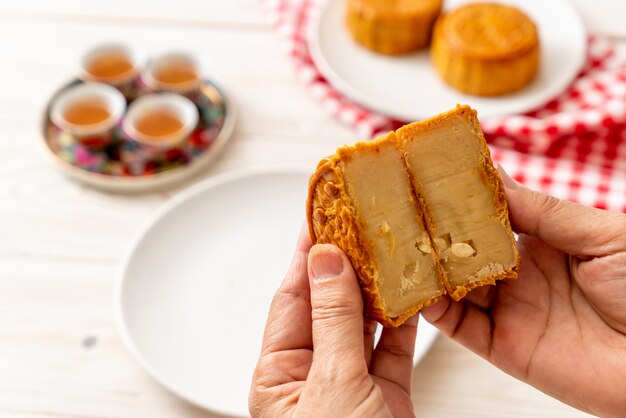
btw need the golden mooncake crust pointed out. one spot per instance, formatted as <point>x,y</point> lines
<point>486,49</point>
<point>392,27</point>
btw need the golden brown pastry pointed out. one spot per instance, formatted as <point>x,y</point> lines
<point>392,27</point>
<point>486,49</point>
<point>361,200</point>
<point>420,213</point>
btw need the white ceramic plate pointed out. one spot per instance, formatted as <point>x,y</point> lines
<point>195,288</point>
<point>407,88</point>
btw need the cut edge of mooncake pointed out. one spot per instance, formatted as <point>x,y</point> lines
<point>333,218</point>
<point>491,177</point>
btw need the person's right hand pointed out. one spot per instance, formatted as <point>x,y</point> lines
<point>561,326</point>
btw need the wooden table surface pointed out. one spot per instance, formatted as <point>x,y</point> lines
<point>60,242</point>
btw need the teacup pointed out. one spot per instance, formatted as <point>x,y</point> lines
<point>89,112</point>
<point>173,72</point>
<point>114,64</point>
<point>160,122</point>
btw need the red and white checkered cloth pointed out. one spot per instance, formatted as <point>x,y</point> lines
<point>574,147</point>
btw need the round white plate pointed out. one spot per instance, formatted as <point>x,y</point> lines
<point>195,287</point>
<point>407,87</point>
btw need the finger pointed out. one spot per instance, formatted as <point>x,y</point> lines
<point>282,367</point>
<point>464,322</point>
<point>337,309</point>
<point>289,321</point>
<point>601,277</point>
<point>482,297</point>
<point>369,334</point>
<point>393,356</point>
<point>570,227</point>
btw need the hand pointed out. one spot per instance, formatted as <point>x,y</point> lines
<point>561,326</point>
<point>317,358</point>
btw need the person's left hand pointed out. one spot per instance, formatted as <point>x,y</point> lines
<point>318,357</point>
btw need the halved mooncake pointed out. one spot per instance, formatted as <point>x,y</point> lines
<point>420,213</point>
<point>392,27</point>
<point>361,200</point>
<point>486,49</point>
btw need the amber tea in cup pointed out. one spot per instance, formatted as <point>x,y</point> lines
<point>109,65</point>
<point>159,123</point>
<point>88,109</point>
<point>113,64</point>
<point>162,120</point>
<point>176,72</point>
<point>87,112</point>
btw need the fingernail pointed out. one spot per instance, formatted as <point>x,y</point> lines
<point>507,180</point>
<point>324,262</point>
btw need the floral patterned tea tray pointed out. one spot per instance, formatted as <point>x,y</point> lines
<point>118,164</point>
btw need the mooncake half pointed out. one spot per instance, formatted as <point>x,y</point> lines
<point>361,200</point>
<point>462,196</point>
<point>420,213</point>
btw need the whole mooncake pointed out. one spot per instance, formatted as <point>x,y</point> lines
<point>392,27</point>
<point>420,213</point>
<point>486,49</point>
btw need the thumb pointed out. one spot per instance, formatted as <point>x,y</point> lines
<point>568,226</point>
<point>337,308</point>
